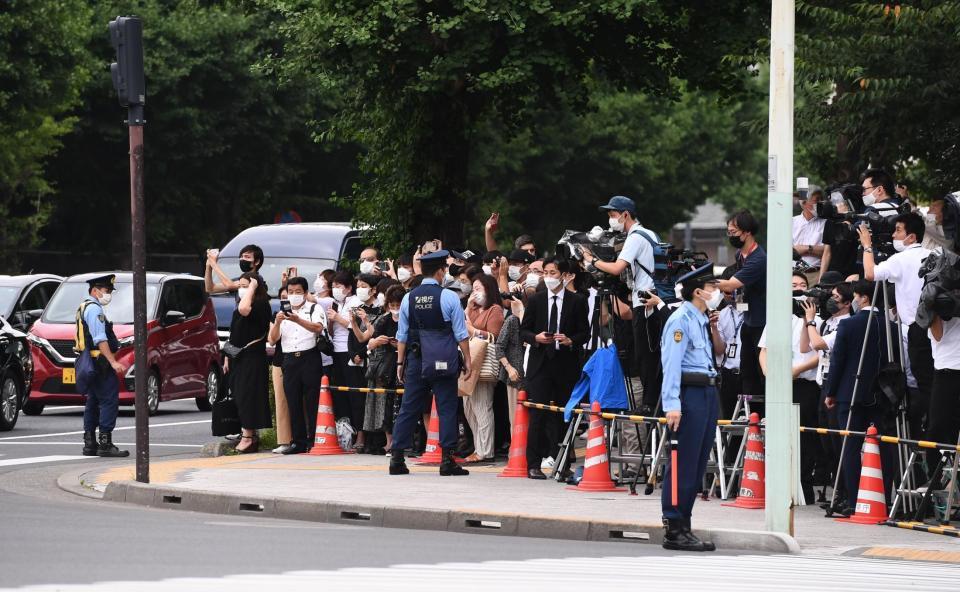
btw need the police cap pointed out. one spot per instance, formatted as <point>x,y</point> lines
<point>522,256</point>
<point>441,255</point>
<point>700,275</point>
<point>104,281</point>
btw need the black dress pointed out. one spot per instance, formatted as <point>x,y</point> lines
<point>248,371</point>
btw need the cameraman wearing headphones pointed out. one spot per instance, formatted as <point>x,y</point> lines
<point>901,270</point>
<point>637,253</point>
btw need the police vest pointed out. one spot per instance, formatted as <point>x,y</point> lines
<point>425,313</point>
<point>82,339</point>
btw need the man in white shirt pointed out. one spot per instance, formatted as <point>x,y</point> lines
<point>944,422</point>
<point>808,230</point>
<point>297,330</point>
<point>902,269</point>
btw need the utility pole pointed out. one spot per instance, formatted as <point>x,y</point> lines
<point>126,35</point>
<point>781,453</point>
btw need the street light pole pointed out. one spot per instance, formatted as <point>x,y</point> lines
<point>780,451</point>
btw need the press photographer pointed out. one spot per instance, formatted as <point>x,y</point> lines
<point>901,270</point>
<point>879,193</point>
<point>839,239</point>
<point>637,254</point>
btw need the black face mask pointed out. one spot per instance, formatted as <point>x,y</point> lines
<point>833,307</point>
<point>736,242</point>
<point>246,265</point>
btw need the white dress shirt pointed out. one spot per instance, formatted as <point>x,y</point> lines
<point>946,352</point>
<point>729,325</point>
<point>799,325</point>
<point>808,232</point>
<point>296,338</point>
<point>828,332</point>
<point>902,269</point>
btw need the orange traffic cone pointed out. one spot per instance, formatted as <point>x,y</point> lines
<point>325,439</point>
<point>871,501</point>
<point>517,465</point>
<point>432,454</point>
<point>752,494</point>
<point>596,469</point>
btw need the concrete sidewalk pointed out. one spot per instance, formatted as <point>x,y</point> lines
<point>356,489</point>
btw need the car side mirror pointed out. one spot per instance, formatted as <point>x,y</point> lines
<point>12,348</point>
<point>34,314</point>
<point>172,317</point>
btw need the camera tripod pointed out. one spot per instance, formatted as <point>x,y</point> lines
<point>902,425</point>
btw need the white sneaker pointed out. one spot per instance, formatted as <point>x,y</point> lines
<point>547,463</point>
<point>281,449</point>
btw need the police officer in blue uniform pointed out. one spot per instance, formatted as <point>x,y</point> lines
<point>689,397</point>
<point>432,350</point>
<point>97,369</point>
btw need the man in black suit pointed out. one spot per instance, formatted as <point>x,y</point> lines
<point>868,406</point>
<point>556,326</point>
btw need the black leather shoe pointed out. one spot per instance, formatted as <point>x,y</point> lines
<point>107,449</point>
<point>536,474</point>
<point>90,445</point>
<point>707,545</point>
<point>449,466</point>
<point>679,538</point>
<point>295,449</point>
<point>398,466</point>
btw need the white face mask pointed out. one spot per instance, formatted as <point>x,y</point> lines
<point>367,266</point>
<point>616,224</point>
<point>319,285</point>
<point>465,289</point>
<point>363,294</point>
<point>404,274</point>
<point>395,314</point>
<point>338,294</point>
<point>105,298</point>
<point>480,298</point>
<point>514,272</point>
<point>552,283</point>
<point>716,297</point>
<point>242,292</point>
<point>487,270</point>
<point>869,199</point>
<point>532,281</point>
<point>295,300</point>
<point>898,245</point>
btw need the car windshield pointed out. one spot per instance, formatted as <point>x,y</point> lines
<point>63,306</point>
<point>274,266</point>
<point>8,298</point>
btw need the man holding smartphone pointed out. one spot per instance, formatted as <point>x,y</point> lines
<point>296,327</point>
<point>637,254</point>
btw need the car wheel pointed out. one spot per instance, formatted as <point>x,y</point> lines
<point>205,403</point>
<point>33,408</point>
<point>153,393</point>
<point>9,402</point>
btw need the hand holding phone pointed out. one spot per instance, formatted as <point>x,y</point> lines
<point>286,307</point>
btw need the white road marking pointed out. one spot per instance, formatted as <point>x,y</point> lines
<point>153,425</point>
<point>41,459</point>
<point>117,443</point>
<point>744,573</point>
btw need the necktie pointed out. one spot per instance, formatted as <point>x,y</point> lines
<point>552,325</point>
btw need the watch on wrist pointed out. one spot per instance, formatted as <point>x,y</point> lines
<point>868,250</point>
<point>811,323</point>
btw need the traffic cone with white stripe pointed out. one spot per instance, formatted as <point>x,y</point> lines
<point>871,501</point>
<point>325,440</point>
<point>596,469</point>
<point>433,455</point>
<point>517,465</point>
<point>752,494</point>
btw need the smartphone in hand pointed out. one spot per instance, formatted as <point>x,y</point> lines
<point>286,307</point>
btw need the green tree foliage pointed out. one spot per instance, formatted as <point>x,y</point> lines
<point>42,70</point>
<point>225,146</point>
<point>881,87</point>
<point>421,80</point>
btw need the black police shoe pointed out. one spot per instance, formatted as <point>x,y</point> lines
<point>107,449</point>
<point>398,465</point>
<point>90,444</point>
<point>678,537</point>
<point>449,466</point>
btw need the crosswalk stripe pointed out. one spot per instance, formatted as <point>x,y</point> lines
<point>41,459</point>
<point>683,571</point>
<point>133,427</point>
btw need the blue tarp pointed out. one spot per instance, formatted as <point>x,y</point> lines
<point>602,377</point>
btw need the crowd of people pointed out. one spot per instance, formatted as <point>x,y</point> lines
<point>538,316</point>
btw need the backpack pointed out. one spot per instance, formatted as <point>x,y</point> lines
<point>662,282</point>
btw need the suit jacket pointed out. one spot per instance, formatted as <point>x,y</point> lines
<point>574,323</point>
<point>845,357</point>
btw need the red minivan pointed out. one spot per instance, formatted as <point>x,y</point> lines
<point>183,352</point>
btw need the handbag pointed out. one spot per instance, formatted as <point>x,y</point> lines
<point>324,343</point>
<point>490,368</point>
<point>232,351</point>
<point>478,352</point>
<point>225,417</point>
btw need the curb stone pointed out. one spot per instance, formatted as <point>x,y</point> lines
<point>457,520</point>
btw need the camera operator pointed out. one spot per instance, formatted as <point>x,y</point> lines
<point>637,253</point>
<point>879,192</point>
<point>808,232</point>
<point>866,406</point>
<point>934,236</point>
<point>901,270</point>
<point>944,415</point>
<point>751,280</point>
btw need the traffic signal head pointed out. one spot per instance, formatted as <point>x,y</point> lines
<point>126,35</point>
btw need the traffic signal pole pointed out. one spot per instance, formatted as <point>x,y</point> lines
<point>126,34</point>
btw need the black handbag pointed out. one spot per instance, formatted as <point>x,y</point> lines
<point>225,417</point>
<point>232,351</point>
